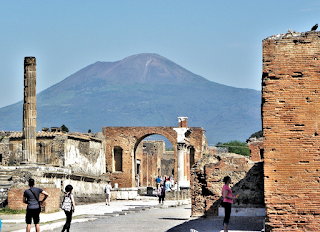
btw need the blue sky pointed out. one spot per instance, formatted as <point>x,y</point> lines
<point>219,40</point>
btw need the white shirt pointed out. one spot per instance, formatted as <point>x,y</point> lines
<point>107,189</point>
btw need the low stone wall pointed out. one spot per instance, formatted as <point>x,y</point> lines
<point>15,196</point>
<point>124,193</point>
<point>178,195</point>
<point>86,189</point>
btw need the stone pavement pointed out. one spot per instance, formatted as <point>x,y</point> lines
<point>49,221</point>
<point>99,211</point>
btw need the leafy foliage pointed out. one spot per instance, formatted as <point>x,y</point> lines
<point>235,146</point>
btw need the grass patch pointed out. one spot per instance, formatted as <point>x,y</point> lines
<point>7,210</point>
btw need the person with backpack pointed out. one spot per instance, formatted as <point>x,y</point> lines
<point>161,192</point>
<point>107,191</point>
<point>31,197</point>
<point>68,206</point>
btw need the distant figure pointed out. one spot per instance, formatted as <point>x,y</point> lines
<point>137,180</point>
<point>227,201</point>
<point>315,27</point>
<point>68,206</point>
<point>168,185</point>
<point>31,197</point>
<point>107,191</point>
<point>161,193</point>
<point>158,180</point>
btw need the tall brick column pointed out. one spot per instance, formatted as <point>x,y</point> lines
<point>291,127</point>
<point>29,111</point>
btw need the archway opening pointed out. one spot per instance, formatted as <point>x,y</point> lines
<point>154,156</point>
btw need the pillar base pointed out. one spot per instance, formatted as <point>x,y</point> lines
<point>184,184</point>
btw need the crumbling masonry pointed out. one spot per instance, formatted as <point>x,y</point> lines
<point>291,116</point>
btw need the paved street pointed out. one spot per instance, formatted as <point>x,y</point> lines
<point>137,215</point>
<point>172,219</point>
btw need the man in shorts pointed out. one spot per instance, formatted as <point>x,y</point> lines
<point>107,191</point>
<point>31,197</point>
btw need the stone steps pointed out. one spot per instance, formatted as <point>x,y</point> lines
<point>5,184</point>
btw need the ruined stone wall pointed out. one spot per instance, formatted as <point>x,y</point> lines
<point>15,152</point>
<point>85,156</point>
<point>290,111</point>
<point>151,162</point>
<point>167,164</point>
<point>86,188</point>
<point>80,153</point>
<point>128,138</point>
<point>4,151</point>
<point>154,161</point>
<point>256,149</point>
<point>212,150</point>
<point>207,182</point>
<point>198,141</point>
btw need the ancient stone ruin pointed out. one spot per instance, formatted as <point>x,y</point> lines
<point>123,153</point>
<point>290,112</point>
<point>87,161</point>
<point>207,181</point>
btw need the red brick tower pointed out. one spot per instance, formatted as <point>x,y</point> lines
<point>291,127</point>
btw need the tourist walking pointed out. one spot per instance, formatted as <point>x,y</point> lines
<point>161,193</point>
<point>107,191</point>
<point>227,201</point>
<point>68,206</point>
<point>137,180</point>
<point>168,185</point>
<point>31,197</point>
<point>158,180</point>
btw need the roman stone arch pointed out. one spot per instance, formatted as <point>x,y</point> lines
<point>128,138</point>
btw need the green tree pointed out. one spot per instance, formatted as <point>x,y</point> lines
<point>64,128</point>
<point>236,146</point>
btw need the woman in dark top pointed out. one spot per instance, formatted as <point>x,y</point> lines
<point>31,197</point>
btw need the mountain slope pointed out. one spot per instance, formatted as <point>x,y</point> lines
<point>143,90</point>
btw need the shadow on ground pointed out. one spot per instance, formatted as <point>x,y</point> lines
<point>214,224</point>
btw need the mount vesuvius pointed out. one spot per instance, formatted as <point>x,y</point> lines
<point>142,90</point>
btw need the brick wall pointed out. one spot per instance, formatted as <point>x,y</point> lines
<point>291,116</point>
<point>256,149</point>
<point>15,196</point>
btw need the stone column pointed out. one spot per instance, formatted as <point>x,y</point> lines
<point>182,147</point>
<point>182,178</point>
<point>29,112</point>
